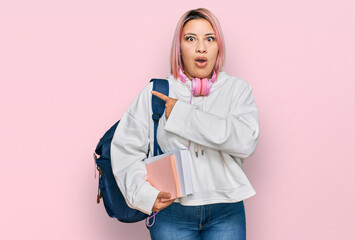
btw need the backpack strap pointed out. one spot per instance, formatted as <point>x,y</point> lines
<point>158,108</point>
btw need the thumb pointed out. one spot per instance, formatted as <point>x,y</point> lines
<point>164,195</point>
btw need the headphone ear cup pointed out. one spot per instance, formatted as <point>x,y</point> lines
<point>205,88</point>
<point>197,86</point>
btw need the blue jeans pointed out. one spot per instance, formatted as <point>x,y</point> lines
<point>213,221</point>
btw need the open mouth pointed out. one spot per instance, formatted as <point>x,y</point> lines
<point>201,62</point>
<point>201,59</point>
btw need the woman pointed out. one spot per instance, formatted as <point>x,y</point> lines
<point>212,114</point>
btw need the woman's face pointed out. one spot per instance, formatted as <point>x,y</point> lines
<point>199,48</point>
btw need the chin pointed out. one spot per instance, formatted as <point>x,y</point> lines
<point>204,74</point>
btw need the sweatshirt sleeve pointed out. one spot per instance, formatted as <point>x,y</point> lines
<point>237,134</point>
<point>129,147</point>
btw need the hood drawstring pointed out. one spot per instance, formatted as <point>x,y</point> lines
<point>197,145</point>
<point>196,150</point>
<point>204,109</point>
<point>190,103</point>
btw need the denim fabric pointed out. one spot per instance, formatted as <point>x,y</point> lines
<point>213,221</point>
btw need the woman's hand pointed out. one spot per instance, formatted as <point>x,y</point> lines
<point>170,102</point>
<point>163,200</point>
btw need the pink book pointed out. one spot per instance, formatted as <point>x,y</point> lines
<point>163,176</point>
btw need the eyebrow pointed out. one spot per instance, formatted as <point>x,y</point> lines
<point>207,34</point>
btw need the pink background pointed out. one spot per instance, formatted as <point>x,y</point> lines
<point>69,69</point>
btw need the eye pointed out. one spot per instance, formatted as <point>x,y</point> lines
<point>189,38</point>
<point>210,39</point>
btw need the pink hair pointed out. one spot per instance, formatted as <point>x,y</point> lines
<point>175,56</point>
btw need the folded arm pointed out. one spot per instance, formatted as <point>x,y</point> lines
<point>237,134</point>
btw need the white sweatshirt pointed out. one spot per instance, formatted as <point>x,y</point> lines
<point>224,126</point>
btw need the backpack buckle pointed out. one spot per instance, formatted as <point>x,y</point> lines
<point>156,116</point>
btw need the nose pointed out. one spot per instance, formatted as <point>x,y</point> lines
<point>200,47</point>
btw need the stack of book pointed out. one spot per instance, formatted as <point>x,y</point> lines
<point>170,172</point>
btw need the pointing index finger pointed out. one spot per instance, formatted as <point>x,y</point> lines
<point>160,95</point>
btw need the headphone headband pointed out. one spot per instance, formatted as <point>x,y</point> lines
<point>184,78</point>
<point>200,87</point>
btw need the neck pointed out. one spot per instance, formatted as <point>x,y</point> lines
<point>191,77</point>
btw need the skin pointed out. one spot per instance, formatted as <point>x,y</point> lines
<point>198,39</point>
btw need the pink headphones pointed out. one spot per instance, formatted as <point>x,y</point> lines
<point>200,87</point>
